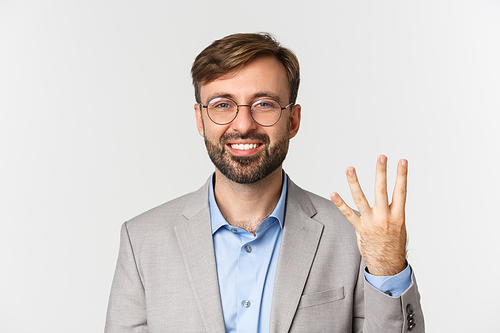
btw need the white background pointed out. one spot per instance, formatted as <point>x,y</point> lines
<point>97,125</point>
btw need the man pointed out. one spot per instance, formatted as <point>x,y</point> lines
<point>251,251</point>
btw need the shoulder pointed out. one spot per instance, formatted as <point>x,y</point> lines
<point>327,212</point>
<point>321,210</point>
<point>313,204</point>
<point>171,213</point>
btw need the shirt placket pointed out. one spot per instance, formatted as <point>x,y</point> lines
<point>248,298</point>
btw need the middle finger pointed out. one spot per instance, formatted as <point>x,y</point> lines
<point>381,199</point>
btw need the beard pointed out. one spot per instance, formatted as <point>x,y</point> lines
<point>248,169</point>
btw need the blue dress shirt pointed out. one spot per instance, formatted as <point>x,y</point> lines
<point>246,267</point>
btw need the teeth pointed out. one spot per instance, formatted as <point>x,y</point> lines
<point>245,146</point>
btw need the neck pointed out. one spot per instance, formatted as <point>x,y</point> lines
<point>246,205</point>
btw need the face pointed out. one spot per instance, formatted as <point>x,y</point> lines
<point>244,151</point>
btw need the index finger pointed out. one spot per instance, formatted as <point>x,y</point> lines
<point>357,193</point>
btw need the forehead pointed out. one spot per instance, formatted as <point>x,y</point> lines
<point>261,75</point>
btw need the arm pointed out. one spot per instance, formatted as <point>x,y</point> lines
<point>385,314</point>
<point>127,302</point>
<point>381,236</point>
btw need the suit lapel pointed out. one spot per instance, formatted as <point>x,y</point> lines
<point>301,236</point>
<point>196,244</point>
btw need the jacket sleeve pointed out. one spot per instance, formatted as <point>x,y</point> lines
<point>386,314</point>
<point>127,302</point>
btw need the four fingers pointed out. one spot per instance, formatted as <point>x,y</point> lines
<point>381,240</point>
<point>381,197</point>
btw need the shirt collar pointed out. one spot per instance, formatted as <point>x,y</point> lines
<point>217,220</point>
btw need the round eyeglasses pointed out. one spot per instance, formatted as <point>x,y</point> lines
<point>265,111</point>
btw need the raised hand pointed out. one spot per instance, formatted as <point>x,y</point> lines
<point>380,230</point>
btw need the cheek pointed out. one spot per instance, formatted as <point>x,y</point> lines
<point>280,134</point>
<point>213,132</point>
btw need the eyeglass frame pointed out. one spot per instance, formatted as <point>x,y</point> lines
<point>250,106</point>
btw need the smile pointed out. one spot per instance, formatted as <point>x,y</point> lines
<point>246,146</point>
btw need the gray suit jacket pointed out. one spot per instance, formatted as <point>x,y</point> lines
<point>166,278</point>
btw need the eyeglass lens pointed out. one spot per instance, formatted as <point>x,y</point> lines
<point>265,111</point>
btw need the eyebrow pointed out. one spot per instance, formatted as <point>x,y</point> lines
<point>254,96</point>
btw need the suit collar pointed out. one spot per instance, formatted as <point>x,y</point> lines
<point>196,245</point>
<point>299,199</point>
<point>198,202</point>
<point>217,220</point>
<point>301,237</point>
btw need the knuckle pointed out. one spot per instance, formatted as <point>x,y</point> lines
<point>399,218</point>
<point>338,203</point>
<point>348,213</point>
<point>401,191</point>
<point>359,199</point>
<point>383,223</point>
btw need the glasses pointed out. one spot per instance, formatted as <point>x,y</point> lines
<point>265,112</point>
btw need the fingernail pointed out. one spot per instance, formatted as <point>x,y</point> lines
<point>350,171</point>
<point>404,163</point>
<point>383,159</point>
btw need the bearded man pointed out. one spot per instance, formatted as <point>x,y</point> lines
<point>250,251</point>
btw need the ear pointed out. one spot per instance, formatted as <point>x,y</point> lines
<point>199,120</point>
<point>295,120</point>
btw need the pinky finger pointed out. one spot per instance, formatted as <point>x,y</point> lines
<point>399,195</point>
<point>347,211</point>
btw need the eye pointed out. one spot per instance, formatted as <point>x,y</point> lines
<point>221,104</point>
<point>265,104</point>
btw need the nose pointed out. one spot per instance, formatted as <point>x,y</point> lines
<point>244,123</point>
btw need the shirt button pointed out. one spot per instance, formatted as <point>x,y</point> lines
<point>248,248</point>
<point>246,303</point>
<point>234,231</point>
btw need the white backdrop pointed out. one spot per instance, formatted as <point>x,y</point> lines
<point>97,125</point>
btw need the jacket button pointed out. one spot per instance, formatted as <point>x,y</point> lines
<point>409,308</point>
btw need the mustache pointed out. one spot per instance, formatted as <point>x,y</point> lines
<point>225,138</point>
